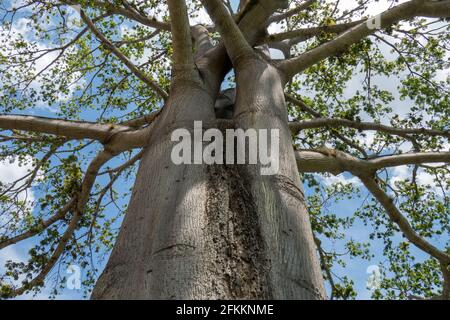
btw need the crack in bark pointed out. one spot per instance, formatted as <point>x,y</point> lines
<point>174,246</point>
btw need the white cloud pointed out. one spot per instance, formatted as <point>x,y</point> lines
<point>15,254</point>
<point>11,170</point>
<point>201,18</point>
<point>368,139</point>
<point>275,28</point>
<point>20,29</point>
<point>399,174</point>
<point>340,178</point>
<point>423,178</point>
<point>10,253</point>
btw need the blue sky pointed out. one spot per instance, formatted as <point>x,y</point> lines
<point>356,269</point>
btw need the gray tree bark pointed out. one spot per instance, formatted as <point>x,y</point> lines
<point>219,231</point>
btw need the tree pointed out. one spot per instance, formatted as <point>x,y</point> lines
<point>141,69</point>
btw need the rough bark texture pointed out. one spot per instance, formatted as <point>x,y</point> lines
<point>220,231</point>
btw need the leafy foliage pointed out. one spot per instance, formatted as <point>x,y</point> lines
<point>51,64</point>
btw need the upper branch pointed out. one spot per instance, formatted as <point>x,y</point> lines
<point>59,127</point>
<point>202,40</point>
<point>334,161</point>
<point>306,33</point>
<point>325,122</point>
<point>435,9</point>
<point>135,70</point>
<point>181,37</point>
<point>401,12</point>
<point>235,42</point>
<point>305,108</point>
<point>129,12</point>
<point>117,137</point>
<point>280,17</point>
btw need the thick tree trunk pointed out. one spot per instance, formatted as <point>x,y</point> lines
<point>219,231</point>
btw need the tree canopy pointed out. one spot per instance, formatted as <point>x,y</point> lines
<point>81,82</point>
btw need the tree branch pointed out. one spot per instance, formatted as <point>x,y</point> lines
<point>141,121</point>
<point>327,122</point>
<point>59,127</point>
<point>236,45</point>
<point>279,17</point>
<point>202,40</point>
<point>40,227</point>
<point>435,9</point>
<point>305,108</point>
<point>129,13</point>
<point>253,16</point>
<point>82,199</point>
<point>307,33</point>
<point>336,162</point>
<point>325,266</point>
<point>108,44</point>
<point>183,61</point>
<point>116,138</point>
<point>403,11</point>
<point>396,216</point>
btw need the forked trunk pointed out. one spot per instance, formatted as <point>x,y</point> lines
<point>216,231</point>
